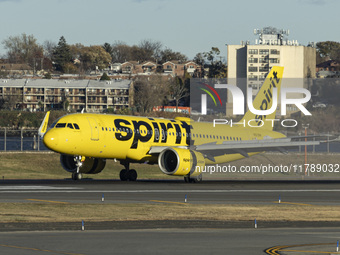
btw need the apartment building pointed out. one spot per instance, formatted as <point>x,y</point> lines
<point>249,64</point>
<point>42,94</point>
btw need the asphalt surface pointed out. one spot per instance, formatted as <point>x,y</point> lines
<point>209,192</point>
<point>170,237</point>
<point>171,241</point>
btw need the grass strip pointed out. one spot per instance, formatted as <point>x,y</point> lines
<point>47,212</point>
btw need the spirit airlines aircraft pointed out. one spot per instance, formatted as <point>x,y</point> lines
<point>180,146</point>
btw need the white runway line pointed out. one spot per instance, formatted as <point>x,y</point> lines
<point>79,190</point>
<point>35,188</point>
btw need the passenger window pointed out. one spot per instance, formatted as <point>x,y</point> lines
<point>76,126</point>
<point>60,125</point>
<point>69,125</point>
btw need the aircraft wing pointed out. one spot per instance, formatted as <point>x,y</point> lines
<point>211,150</point>
<point>245,147</point>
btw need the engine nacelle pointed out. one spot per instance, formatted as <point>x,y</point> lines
<point>182,162</point>
<point>89,165</point>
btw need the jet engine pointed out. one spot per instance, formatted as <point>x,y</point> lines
<point>88,166</point>
<point>182,162</point>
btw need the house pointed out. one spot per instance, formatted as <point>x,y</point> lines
<point>174,67</point>
<point>129,67</point>
<point>330,65</point>
<point>148,67</point>
<point>191,67</point>
<point>115,67</point>
<point>16,69</point>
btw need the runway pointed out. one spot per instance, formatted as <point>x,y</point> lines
<point>210,192</point>
<point>168,237</point>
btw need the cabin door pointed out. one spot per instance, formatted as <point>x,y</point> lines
<point>94,129</point>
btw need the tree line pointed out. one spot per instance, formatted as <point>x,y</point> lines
<point>77,58</point>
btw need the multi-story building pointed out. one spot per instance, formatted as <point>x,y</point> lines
<point>249,64</point>
<point>42,94</point>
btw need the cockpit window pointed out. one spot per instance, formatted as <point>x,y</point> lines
<point>76,126</point>
<point>69,125</point>
<point>60,125</point>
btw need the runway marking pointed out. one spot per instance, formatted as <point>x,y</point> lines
<point>168,202</point>
<point>289,203</point>
<point>36,249</point>
<point>47,201</point>
<point>67,190</point>
<point>319,252</point>
<point>277,249</point>
<point>34,187</point>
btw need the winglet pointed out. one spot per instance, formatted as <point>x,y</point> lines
<point>44,124</point>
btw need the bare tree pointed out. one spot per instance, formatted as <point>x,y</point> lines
<point>178,90</point>
<point>49,48</point>
<point>22,49</point>
<point>151,50</point>
<point>150,92</point>
<point>121,52</point>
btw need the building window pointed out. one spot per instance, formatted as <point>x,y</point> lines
<point>252,77</point>
<point>264,68</point>
<point>274,60</point>
<point>264,60</point>
<point>253,60</point>
<point>252,69</point>
<point>253,51</point>
<point>273,51</point>
<point>264,52</point>
<point>262,77</point>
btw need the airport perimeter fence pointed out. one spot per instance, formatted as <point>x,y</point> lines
<point>28,140</point>
<point>20,140</point>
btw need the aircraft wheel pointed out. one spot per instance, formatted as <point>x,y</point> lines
<point>132,175</point>
<point>195,179</point>
<point>123,175</point>
<point>76,176</point>
<point>199,178</point>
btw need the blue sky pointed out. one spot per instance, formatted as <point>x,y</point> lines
<point>188,26</point>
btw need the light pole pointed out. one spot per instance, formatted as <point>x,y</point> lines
<point>305,126</point>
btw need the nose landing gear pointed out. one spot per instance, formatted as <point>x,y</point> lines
<point>77,175</point>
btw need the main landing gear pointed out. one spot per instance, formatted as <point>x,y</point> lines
<point>127,174</point>
<point>77,175</point>
<point>193,179</point>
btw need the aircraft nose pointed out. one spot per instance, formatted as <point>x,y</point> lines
<point>51,140</point>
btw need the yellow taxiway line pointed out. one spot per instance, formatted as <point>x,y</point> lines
<point>47,201</point>
<point>167,202</point>
<point>289,203</point>
<point>277,249</point>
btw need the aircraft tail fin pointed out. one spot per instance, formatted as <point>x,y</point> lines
<point>264,99</point>
<point>44,124</point>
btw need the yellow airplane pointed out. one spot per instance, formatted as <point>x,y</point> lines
<point>180,146</point>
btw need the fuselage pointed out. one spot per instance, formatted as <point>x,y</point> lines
<point>131,137</point>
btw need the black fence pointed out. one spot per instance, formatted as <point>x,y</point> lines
<point>21,140</point>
